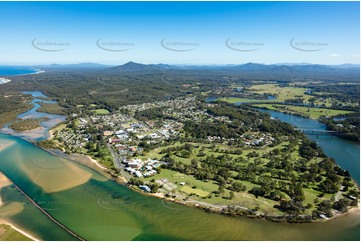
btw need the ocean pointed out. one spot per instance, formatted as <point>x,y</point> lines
<point>16,70</point>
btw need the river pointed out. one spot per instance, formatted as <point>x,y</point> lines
<point>97,208</point>
<point>41,132</point>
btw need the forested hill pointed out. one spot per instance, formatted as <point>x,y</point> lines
<point>254,70</point>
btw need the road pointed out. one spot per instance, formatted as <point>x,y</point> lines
<point>337,196</point>
<point>117,163</point>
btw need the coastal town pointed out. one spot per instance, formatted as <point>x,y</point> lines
<point>150,145</point>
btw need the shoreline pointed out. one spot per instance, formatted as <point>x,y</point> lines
<point>219,209</point>
<point>4,80</point>
<point>350,211</point>
<point>5,181</point>
<point>89,162</point>
<point>13,226</point>
<point>35,72</point>
<point>93,164</point>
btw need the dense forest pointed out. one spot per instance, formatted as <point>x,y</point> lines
<point>347,127</point>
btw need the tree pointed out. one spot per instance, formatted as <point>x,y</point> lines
<point>154,187</point>
<point>221,189</point>
<point>328,186</point>
<point>341,205</point>
<point>194,163</point>
<point>325,207</point>
<point>236,186</point>
<point>298,192</point>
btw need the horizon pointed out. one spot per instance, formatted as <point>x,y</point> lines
<point>180,33</point>
<point>175,65</point>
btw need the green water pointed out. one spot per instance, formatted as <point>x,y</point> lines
<point>31,219</point>
<point>101,209</point>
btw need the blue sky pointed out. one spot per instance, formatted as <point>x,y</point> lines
<point>179,32</point>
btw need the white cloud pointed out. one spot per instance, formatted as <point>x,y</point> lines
<point>334,55</point>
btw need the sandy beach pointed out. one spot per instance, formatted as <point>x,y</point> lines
<point>38,72</point>
<point>96,162</point>
<point>4,181</point>
<point>120,179</point>
<point>4,80</point>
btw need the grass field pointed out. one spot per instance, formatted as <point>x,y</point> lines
<point>176,178</point>
<point>101,111</point>
<point>196,191</point>
<point>9,234</point>
<point>313,113</point>
<point>203,190</point>
<point>282,93</point>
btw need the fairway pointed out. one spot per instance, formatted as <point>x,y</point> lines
<point>101,111</point>
<point>198,192</point>
<point>176,178</point>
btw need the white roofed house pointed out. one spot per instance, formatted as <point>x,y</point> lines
<point>122,136</point>
<point>136,164</point>
<point>154,136</point>
<point>138,174</point>
<point>120,132</point>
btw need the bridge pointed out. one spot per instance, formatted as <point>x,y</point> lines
<point>319,132</point>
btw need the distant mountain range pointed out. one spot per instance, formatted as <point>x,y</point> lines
<point>254,70</point>
<point>133,66</point>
